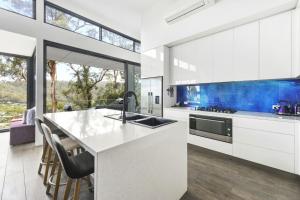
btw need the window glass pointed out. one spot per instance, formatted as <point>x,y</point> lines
<point>23,7</point>
<point>79,87</point>
<point>13,89</point>
<point>137,47</point>
<point>117,40</point>
<point>69,22</point>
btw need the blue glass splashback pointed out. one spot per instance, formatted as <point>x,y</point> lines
<point>255,96</point>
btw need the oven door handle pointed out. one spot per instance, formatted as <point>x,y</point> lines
<point>211,120</point>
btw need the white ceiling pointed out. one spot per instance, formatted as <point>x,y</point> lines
<point>82,59</point>
<point>13,43</point>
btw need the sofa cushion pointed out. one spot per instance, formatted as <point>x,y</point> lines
<point>24,117</point>
<point>30,116</point>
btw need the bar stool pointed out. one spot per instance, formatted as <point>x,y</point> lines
<point>43,162</point>
<point>76,166</point>
<point>69,144</point>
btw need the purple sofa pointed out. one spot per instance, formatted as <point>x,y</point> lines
<point>21,133</point>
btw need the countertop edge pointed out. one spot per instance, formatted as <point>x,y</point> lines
<point>242,114</point>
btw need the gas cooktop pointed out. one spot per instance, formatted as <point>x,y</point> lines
<point>216,109</point>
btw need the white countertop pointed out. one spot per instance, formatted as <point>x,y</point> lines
<point>98,133</point>
<point>241,114</point>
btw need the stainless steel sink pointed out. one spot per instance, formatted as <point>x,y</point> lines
<point>153,122</point>
<point>142,120</point>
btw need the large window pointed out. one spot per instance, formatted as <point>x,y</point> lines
<point>23,7</point>
<point>68,20</point>
<point>13,89</point>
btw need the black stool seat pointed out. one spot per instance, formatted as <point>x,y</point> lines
<point>84,163</point>
<point>77,166</point>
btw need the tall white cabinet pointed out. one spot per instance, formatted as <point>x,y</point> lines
<point>246,52</point>
<point>276,46</point>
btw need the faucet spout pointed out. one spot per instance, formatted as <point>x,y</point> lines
<point>125,104</point>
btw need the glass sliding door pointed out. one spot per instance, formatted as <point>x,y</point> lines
<point>13,89</point>
<point>134,84</point>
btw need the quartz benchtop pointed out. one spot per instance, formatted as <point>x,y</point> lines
<point>98,133</point>
<point>268,116</point>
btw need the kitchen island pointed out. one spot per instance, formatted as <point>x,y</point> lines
<point>132,162</point>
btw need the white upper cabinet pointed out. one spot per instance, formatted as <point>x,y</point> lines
<point>246,52</point>
<point>259,50</point>
<point>223,56</point>
<point>192,62</point>
<point>276,47</point>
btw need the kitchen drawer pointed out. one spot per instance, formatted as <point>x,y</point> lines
<point>265,125</point>
<point>275,159</point>
<point>264,139</point>
<point>176,114</point>
<point>211,144</point>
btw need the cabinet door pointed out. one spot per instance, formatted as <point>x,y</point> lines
<point>246,52</point>
<point>156,96</point>
<point>223,56</point>
<point>145,96</point>
<point>276,47</point>
<point>152,63</point>
<point>192,62</point>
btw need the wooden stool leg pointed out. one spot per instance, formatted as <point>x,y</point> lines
<point>55,162</point>
<point>45,148</point>
<point>47,165</point>
<point>68,188</point>
<point>77,190</point>
<point>57,182</point>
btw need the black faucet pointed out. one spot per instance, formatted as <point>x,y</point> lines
<point>125,102</point>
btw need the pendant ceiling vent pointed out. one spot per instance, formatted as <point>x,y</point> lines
<point>186,8</point>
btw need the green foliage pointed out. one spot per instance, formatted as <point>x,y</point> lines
<point>79,90</point>
<point>110,92</point>
<point>13,68</point>
<point>9,111</point>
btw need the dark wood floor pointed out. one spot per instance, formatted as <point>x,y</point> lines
<point>212,176</point>
<point>215,176</point>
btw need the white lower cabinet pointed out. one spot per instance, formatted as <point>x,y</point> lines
<point>267,142</point>
<point>275,159</point>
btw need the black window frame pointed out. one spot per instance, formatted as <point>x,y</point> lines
<point>33,11</point>
<point>101,26</point>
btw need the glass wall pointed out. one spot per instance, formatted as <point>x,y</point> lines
<point>13,89</point>
<point>77,81</point>
<point>23,7</point>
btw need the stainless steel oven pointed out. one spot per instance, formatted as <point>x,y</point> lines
<point>217,128</point>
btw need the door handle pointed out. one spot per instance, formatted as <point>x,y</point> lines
<point>148,102</point>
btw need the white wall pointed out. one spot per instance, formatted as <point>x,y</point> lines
<point>123,19</point>
<point>17,44</point>
<point>223,15</point>
<point>40,31</point>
